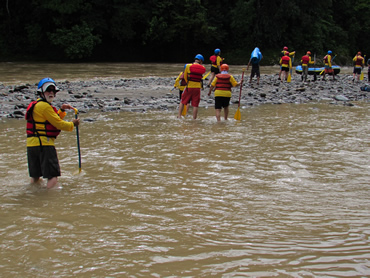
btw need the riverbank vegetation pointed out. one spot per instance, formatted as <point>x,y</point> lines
<point>174,30</point>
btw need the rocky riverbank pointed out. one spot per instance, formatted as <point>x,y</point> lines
<point>141,94</point>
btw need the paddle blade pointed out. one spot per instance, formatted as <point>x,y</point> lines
<point>183,113</point>
<point>362,76</point>
<point>238,115</point>
<point>289,78</point>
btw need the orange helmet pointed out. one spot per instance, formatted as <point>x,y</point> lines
<point>308,53</point>
<point>285,48</point>
<point>224,67</point>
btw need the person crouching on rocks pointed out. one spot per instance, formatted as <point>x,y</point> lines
<point>44,124</point>
<point>223,82</point>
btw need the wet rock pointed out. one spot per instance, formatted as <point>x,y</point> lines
<point>341,98</point>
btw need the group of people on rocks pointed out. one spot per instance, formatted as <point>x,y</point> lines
<point>190,81</point>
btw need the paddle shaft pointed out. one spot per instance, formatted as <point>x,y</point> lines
<point>78,145</point>
<point>241,87</point>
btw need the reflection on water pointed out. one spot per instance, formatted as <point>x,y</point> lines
<point>282,193</point>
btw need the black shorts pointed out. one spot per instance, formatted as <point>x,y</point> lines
<point>285,69</point>
<point>43,162</point>
<point>215,70</point>
<point>255,71</point>
<point>222,102</point>
<point>357,70</point>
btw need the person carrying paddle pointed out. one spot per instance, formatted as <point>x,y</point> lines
<point>193,74</point>
<point>359,65</point>
<point>44,124</point>
<point>223,83</point>
<point>306,61</point>
<point>180,82</point>
<point>282,54</point>
<point>328,65</point>
<point>285,64</point>
<point>216,61</point>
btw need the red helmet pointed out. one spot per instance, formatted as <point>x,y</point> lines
<point>359,53</point>
<point>308,53</point>
<point>286,53</point>
<point>285,48</point>
<point>224,67</point>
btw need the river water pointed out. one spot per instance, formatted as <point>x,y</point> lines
<point>282,193</point>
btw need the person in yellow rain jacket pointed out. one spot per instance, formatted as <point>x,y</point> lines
<point>193,74</point>
<point>328,65</point>
<point>223,83</point>
<point>180,83</point>
<point>359,65</point>
<point>282,54</point>
<point>44,124</point>
<point>286,65</point>
<point>306,61</point>
<point>216,61</point>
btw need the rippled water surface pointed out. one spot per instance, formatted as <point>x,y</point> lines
<point>283,193</point>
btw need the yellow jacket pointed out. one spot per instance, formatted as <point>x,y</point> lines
<point>43,112</point>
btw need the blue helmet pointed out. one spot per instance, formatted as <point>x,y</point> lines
<point>217,51</point>
<point>199,57</point>
<point>45,83</point>
<point>329,52</point>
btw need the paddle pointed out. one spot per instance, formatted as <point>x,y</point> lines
<point>314,69</point>
<point>238,115</point>
<point>78,143</point>
<point>204,77</point>
<point>291,71</point>
<point>362,72</point>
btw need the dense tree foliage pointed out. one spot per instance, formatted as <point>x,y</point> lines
<point>174,30</point>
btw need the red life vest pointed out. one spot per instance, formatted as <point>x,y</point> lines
<point>326,59</point>
<point>196,72</point>
<point>305,60</point>
<point>48,130</point>
<point>213,59</point>
<point>223,82</point>
<point>182,80</point>
<point>285,61</point>
<point>359,61</point>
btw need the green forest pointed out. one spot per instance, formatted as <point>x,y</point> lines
<point>175,31</point>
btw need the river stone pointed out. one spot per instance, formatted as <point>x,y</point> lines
<point>341,98</point>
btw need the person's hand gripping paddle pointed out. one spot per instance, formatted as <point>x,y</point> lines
<point>238,115</point>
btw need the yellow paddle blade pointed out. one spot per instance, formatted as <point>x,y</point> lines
<point>289,78</point>
<point>362,76</point>
<point>204,77</point>
<point>183,113</point>
<point>238,116</point>
<point>322,72</point>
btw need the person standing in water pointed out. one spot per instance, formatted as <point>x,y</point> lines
<point>223,82</point>
<point>44,123</point>
<point>193,74</point>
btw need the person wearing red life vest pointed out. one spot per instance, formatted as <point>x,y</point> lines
<point>193,74</point>
<point>328,65</point>
<point>359,65</point>
<point>216,61</point>
<point>286,65</point>
<point>222,83</point>
<point>44,123</point>
<point>306,61</point>
<point>282,54</point>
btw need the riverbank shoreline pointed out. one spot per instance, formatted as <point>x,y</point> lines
<point>146,93</point>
